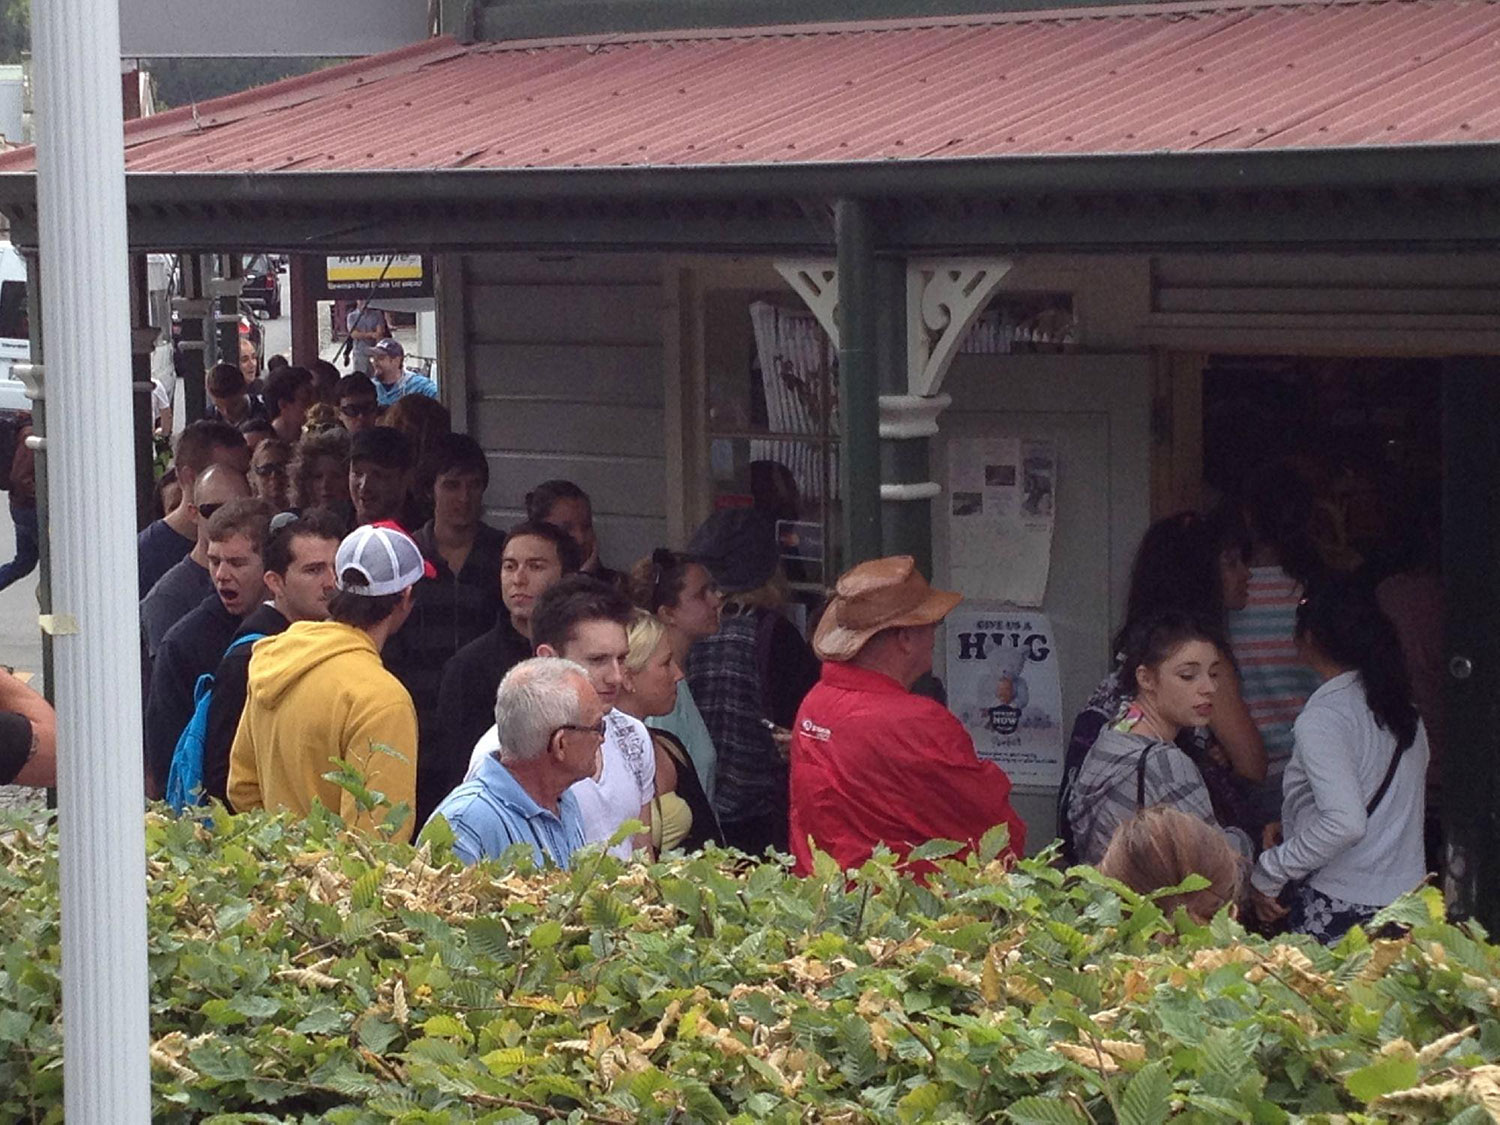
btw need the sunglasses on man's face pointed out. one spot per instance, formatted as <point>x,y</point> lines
<point>271,469</point>
<point>357,409</point>
<point>206,511</point>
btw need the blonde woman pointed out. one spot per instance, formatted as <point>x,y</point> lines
<point>681,816</point>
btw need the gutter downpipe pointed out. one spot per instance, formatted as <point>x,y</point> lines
<point>91,526</point>
<point>859,390</point>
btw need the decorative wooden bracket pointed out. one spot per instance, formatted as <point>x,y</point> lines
<point>943,296</point>
<point>816,281</point>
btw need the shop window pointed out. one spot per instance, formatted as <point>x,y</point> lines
<point>772,421</point>
<point>773,428</point>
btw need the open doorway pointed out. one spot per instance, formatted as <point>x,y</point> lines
<point>1358,443</point>
<point>1368,433</point>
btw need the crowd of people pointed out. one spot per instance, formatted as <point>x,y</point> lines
<point>326,618</point>
<point>1265,696</point>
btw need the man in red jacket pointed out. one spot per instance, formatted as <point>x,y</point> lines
<point>873,763</point>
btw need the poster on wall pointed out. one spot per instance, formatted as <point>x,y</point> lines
<point>1004,686</point>
<point>1002,502</point>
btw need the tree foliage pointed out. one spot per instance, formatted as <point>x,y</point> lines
<point>182,82</point>
<point>15,29</point>
<point>299,973</point>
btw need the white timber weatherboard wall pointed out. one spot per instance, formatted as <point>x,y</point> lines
<point>564,358</point>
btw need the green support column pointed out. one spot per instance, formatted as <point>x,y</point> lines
<point>227,310</point>
<point>906,524</point>
<point>1471,572</point>
<point>143,340</point>
<point>195,338</point>
<point>859,407</point>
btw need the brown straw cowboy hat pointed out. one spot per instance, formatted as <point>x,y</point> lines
<point>875,595</point>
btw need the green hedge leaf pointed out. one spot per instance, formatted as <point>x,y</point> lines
<point>1383,1076</point>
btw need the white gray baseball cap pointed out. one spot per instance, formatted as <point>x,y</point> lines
<point>385,556</point>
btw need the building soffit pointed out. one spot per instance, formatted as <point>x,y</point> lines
<point>1446,196</point>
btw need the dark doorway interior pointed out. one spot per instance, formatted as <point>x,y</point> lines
<point>1366,435</point>
<point>1367,432</point>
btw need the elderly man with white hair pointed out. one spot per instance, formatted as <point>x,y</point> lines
<point>550,723</point>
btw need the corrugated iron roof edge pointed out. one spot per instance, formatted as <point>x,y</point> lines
<point>1463,165</point>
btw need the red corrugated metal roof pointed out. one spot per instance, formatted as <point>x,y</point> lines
<point>1147,78</point>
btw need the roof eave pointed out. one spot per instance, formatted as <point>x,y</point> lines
<point>1449,165</point>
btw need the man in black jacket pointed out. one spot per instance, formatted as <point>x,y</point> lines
<point>534,557</point>
<point>299,577</point>
<point>456,606</point>
<point>195,645</point>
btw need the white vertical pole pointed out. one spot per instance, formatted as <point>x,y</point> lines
<point>85,302</point>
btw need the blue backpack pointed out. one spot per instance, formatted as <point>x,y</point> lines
<point>185,779</point>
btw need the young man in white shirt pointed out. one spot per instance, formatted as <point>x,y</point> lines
<point>583,620</point>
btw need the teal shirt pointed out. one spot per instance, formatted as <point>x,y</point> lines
<point>687,724</point>
<point>410,383</point>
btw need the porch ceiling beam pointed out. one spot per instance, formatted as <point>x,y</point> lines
<point>218,212</point>
<point>1079,226</point>
<point>194,229</point>
<point>1232,220</point>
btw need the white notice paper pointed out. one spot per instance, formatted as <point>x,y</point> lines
<point>1004,686</point>
<point>1001,507</point>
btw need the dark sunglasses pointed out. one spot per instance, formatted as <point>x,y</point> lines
<point>207,510</point>
<point>358,409</point>
<point>275,468</point>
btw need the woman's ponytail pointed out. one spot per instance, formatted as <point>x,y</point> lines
<point>1345,622</point>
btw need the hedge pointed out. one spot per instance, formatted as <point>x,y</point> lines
<point>302,973</point>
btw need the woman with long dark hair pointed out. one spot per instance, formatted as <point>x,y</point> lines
<point>1171,667</point>
<point>1192,564</point>
<point>680,592</point>
<point>1354,787</point>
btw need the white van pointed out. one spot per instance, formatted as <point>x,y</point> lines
<point>15,335</point>
<point>15,326</point>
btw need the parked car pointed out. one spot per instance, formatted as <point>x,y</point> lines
<point>15,329</point>
<point>262,287</point>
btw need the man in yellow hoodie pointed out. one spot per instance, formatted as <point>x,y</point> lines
<point>319,692</point>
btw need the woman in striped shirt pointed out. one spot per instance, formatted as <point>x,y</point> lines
<point>1274,681</point>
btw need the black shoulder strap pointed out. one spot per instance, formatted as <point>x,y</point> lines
<point>765,633</point>
<point>1140,778</point>
<point>1390,776</point>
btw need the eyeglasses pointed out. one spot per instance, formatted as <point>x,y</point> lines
<point>206,511</point>
<point>598,730</point>
<point>275,468</point>
<point>357,409</point>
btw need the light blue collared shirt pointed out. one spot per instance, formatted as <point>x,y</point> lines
<point>490,812</point>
